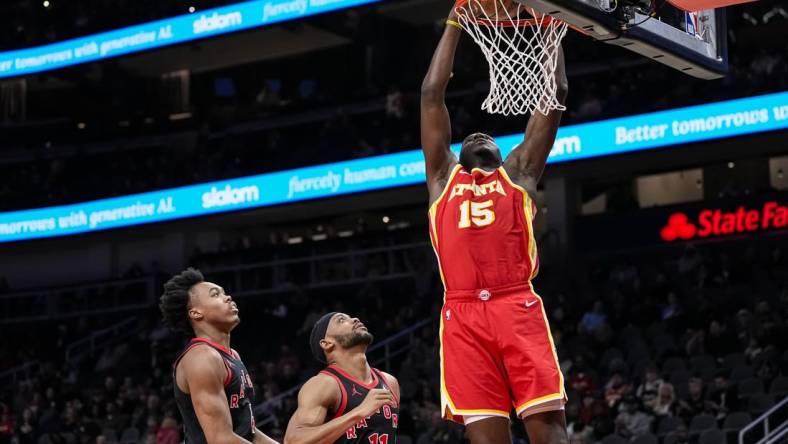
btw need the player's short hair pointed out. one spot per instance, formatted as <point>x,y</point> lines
<point>174,302</point>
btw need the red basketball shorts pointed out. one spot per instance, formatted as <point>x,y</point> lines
<point>497,353</point>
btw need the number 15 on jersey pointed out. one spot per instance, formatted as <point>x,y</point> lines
<point>479,214</point>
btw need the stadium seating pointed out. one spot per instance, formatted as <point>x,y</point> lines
<point>613,439</point>
<point>712,436</point>
<point>645,439</point>
<point>760,403</point>
<point>779,386</point>
<point>749,387</point>
<point>701,423</point>
<point>392,304</point>
<point>736,421</point>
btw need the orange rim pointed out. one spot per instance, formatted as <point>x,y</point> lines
<point>517,23</point>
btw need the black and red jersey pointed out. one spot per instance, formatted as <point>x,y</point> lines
<point>379,428</point>
<point>237,387</point>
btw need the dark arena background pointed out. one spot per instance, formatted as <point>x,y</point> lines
<point>274,145</point>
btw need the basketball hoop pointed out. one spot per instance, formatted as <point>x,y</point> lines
<point>522,54</point>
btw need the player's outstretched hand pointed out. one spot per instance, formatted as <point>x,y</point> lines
<point>376,398</point>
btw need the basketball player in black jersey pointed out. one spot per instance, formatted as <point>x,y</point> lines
<point>213,389</point>
<point>349,401</point>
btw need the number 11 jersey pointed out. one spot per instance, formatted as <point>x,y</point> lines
<point>378,428</point>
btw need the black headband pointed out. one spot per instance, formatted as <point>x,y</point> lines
<point>318,334</point>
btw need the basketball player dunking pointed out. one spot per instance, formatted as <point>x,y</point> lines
<point>213,389</point>
<point>497,352</point>
<point>349,401</point>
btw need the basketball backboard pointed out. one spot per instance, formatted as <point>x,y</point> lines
<point>692,42</point>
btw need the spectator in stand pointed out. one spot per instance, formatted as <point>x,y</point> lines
<point>767,322</point>
<point>649,401</point>
<point>615,389</point>
<point>724,396</point>
<point>601,421</point>
<point>666,400</point>
<point>651,381</point>
<point>593,320</point>
<point>395,103</point>
<point>580,380</point>
<point>720,341</point>
<point>743,325</point>
<point>679,436</point>
<point>437,430</point>
<point>169,432</point>
<point>690,261</point>
<point>577,428</point>
<point>578,439</point>
<point>6,425</point>
<point>590,106</point>
<point>587,403</point>
<point>632,421</point>
<point>767,370</point>
<point>753,350</point>
<point>672,309</point>
<point>695,342</point>
<point>695,402</point>
<point>26,428</point>
<point>764,64</point>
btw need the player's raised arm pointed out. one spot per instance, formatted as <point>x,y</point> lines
<point>317,397</point>
<point>435,123</point>
<point>526,162</point>
<point>204,372</point>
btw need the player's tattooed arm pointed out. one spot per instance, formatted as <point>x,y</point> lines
<point>526,162</point>
<point>435,121</point>
<point>317,397</point>
<point>204,372</point>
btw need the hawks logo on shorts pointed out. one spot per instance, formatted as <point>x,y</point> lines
<point>481,228</point>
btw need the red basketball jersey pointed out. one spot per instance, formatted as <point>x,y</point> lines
<point>482,232</point>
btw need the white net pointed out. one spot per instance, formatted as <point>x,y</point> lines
<point>522,59</point>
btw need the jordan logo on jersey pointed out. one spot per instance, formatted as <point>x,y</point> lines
<point>478,190</point>
<point>354,391</point>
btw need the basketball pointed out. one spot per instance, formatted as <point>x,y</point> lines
<point>495,10</point>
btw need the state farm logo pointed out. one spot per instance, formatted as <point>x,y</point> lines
<point>711,223</point>
<point>678,227</point>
